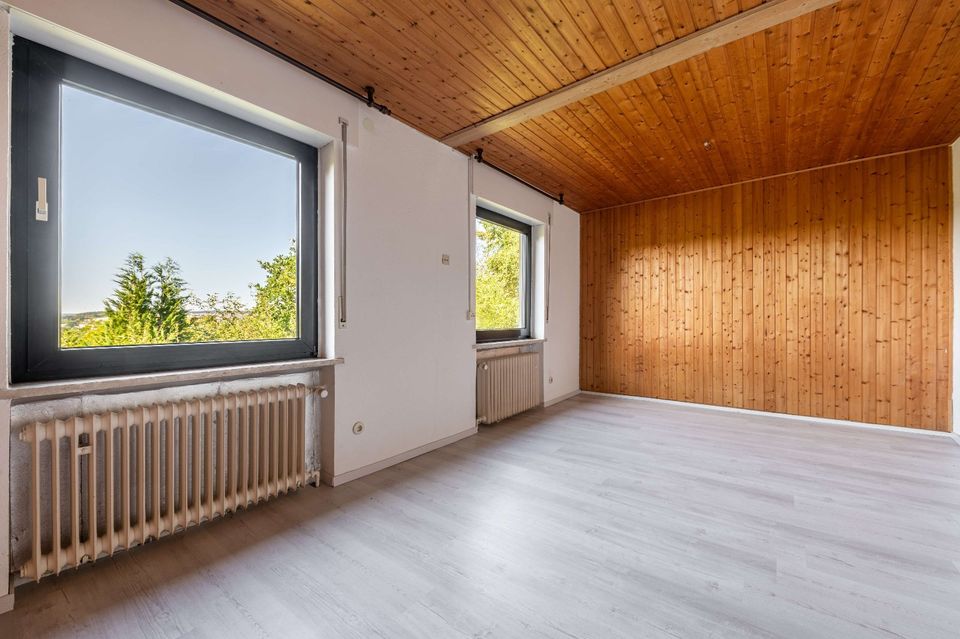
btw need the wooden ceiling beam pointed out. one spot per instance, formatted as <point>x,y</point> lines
<point>764,16</point>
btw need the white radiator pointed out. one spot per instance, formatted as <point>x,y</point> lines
<point>507,386</point>
<point>109,481</point>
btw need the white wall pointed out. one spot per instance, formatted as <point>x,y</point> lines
<point>409,375</point>
<point>155,41</point>
<point>409,364</point>
<point>492,185</point>
<point>561,353</point>
<point>409,371</point>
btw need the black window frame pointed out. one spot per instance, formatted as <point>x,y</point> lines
<point>38,73</point>
<point>524,332</point>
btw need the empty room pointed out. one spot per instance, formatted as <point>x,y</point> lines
<point>479,318</point>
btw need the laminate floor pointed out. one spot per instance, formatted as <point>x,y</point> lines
<point>597,517</point>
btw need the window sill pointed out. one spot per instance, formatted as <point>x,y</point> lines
<point>121,383</point>
<point>524,341</point>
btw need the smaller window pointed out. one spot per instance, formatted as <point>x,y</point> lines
<point>503,277</point>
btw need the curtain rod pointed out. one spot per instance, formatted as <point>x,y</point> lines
<point>478,156</point>
<point>367,97</point>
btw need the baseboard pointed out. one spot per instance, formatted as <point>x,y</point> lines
<point>802,418</point>
<point>6,601</point>
<point>562,398</point>
<point>342,478</point>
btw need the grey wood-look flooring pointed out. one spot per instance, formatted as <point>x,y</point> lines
<point>598,517</point>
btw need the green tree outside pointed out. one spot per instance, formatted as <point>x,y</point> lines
<point>499,271</point>
<point>130,312</point>
<point>152,305</point>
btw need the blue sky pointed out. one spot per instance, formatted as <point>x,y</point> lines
<point>134,181</point>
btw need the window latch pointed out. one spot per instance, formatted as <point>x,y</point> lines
<point>42,211</point>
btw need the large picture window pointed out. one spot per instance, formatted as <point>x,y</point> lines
<point>503,277</point>
<point>149,232</point>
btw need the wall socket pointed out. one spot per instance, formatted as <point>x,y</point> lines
<point>357,428</point>
<point>445,259</point>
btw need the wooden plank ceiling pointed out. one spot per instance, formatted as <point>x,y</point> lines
<point>856,79</point>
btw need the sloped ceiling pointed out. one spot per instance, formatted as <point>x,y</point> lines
<point>855,79</point>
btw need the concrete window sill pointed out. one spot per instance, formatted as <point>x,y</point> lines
<point>485,346</point>
<point>147,381</point>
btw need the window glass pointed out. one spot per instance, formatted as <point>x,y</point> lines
<point>499,274</point>
<point>171,233</point>
<point>152,233</point>
<point>502,277</point>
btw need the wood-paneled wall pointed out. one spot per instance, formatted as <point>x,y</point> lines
<point>825,293</point>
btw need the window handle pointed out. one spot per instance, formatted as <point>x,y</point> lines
<point>42,210</point>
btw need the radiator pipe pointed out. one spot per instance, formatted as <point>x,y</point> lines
<point>547,260</point>
<point>342,310</point>
<point>471,239</point>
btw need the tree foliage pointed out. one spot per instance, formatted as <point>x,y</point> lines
<point>129,310</point>
<point>154,305</point>
<point>498,276</point>
<point>168,304</point>
<point>276,297</point>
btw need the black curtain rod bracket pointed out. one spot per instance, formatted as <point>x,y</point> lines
<point>373,103</point>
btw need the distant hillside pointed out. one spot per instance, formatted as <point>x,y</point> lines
<point>71,320</point>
